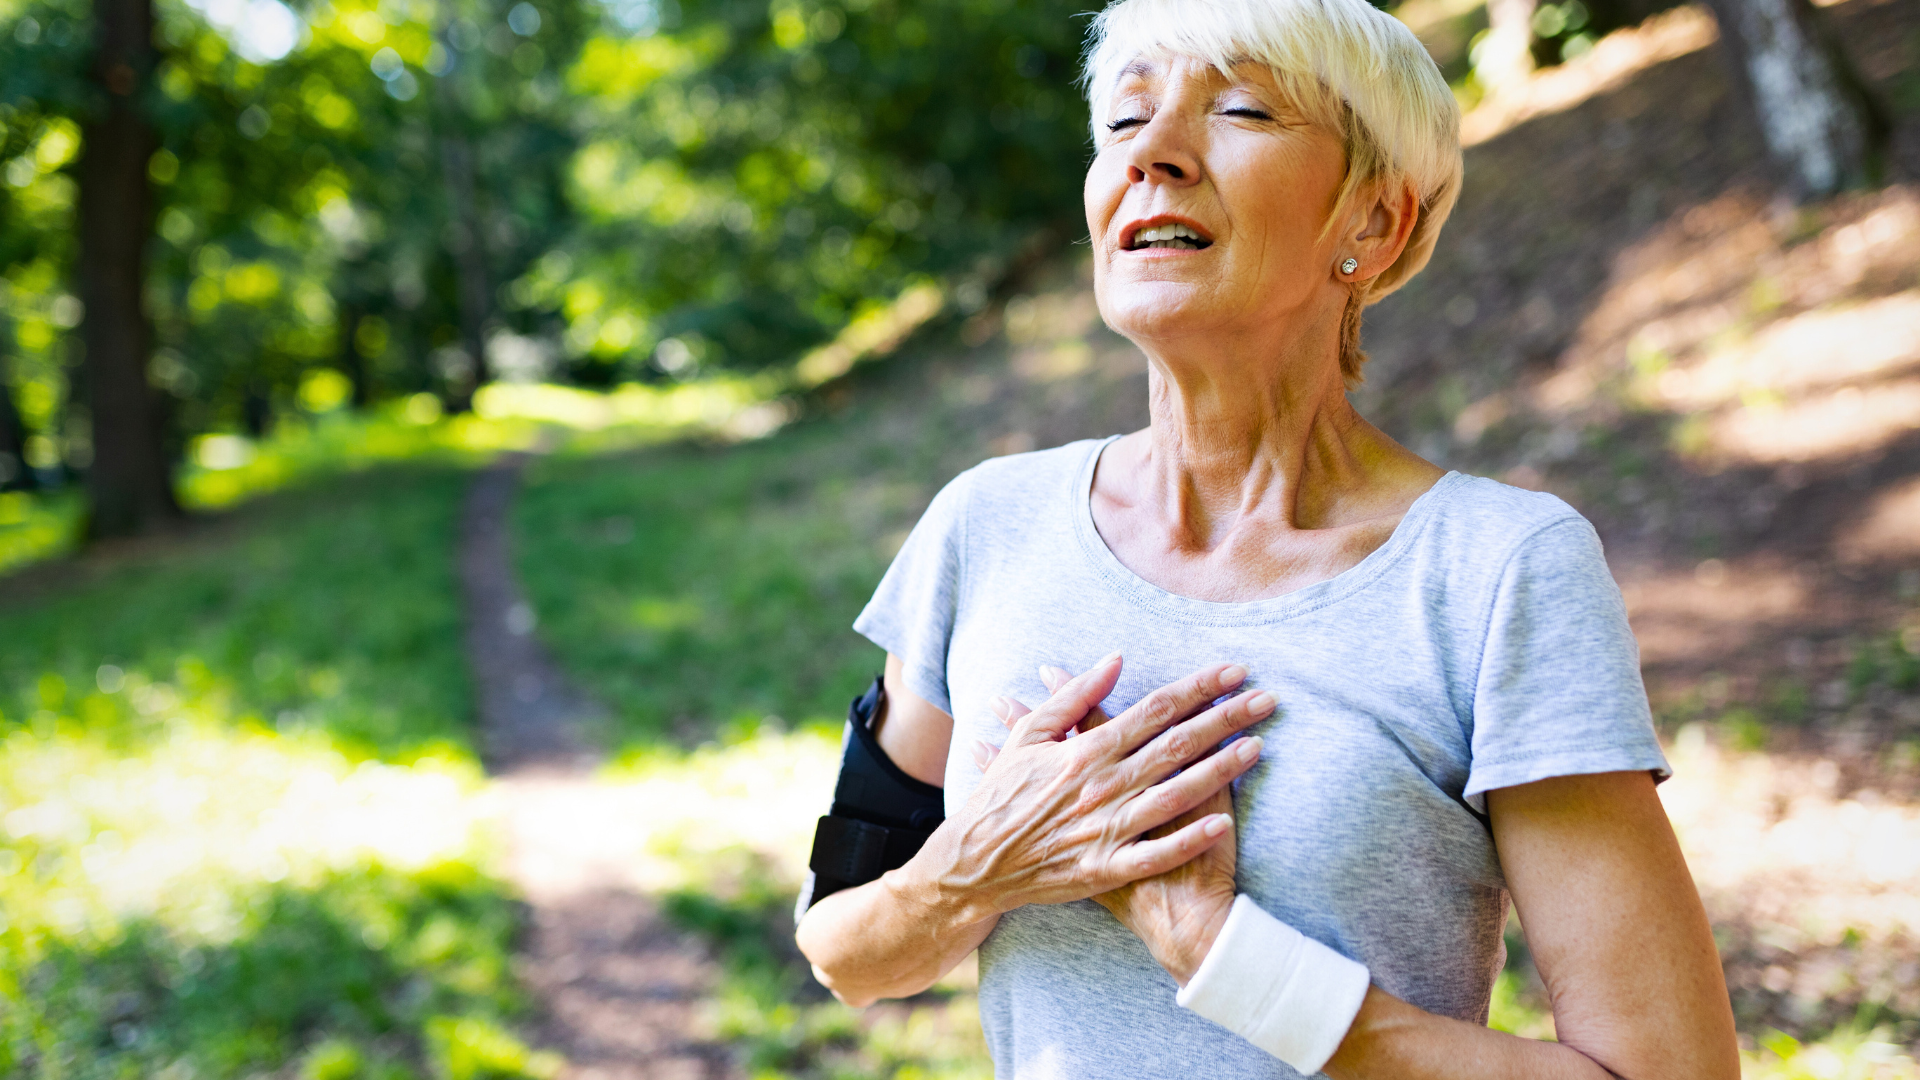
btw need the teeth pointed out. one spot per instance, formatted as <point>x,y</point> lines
<point>1168,236</point>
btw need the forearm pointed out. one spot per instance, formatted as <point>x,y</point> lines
<point>1316,1010</point>
<point>895,936</point>
<point>1391,1038</point>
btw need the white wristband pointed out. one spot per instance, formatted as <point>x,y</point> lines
<point>1277,988</point>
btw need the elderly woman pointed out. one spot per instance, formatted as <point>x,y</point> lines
<point>1439,695</point>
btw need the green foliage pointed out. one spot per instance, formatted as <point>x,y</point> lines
<point>306,208</point>
<point>782,1023</point>
<point>657,189</point>
<point>334,608</point>
<point>33,528</point>
<point>1856,1052</point>
<point>1884,661</point>
<point>793,159</point>
<point>377,962</point>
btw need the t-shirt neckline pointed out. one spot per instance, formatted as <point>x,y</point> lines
<point>1270,609</point>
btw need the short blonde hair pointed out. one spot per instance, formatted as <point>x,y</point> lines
<point>1349,66</point>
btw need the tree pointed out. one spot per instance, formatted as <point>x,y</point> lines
<point>1817,116</point>
<point>14,472</point>
<point>128,484</point>
<point>1504,58</point>
<point>467,245</point>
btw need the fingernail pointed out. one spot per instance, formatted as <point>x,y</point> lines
<point>1001,706</point>
<point>980,756</point>
<point>1261,703</point>
<point>1217,824</point>
<point>1249,748</point>
<point>1111,658</point>
<point>1234,675</point>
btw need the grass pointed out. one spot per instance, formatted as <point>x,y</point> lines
<point>690,586</point>
<point>730,824</point>
<point>204,745</point>
<point>334,608</point>
<point>34,527</point>
<point>185,894</point>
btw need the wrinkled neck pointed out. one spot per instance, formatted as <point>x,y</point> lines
<point>1273,440</point>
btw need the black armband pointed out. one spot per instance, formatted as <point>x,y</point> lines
<point>880,815</point>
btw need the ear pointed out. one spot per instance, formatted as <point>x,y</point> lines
<point>1379,229</point>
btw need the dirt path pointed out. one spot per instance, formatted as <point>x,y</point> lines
<point>618,989</point>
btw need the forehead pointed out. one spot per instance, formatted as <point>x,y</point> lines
<point>1151,71</point>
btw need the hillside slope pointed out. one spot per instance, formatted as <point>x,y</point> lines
<point>1620,313</point>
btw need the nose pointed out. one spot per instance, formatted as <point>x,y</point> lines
<point>1163,153</point>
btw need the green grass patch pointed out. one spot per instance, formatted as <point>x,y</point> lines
<point>183,897</point>
<point>689,587</point>
<point>225,469</point>
<point>36,526</point>
<point>358,974</point>
<point>334,607</point>
<point>784,1025</point>
<point>205,748</point>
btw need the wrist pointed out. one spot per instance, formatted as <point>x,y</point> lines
<point>1282,991</point>
<point>935,882</point>
<point>1183,954</point>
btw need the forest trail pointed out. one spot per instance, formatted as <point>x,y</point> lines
<point>618,989</point>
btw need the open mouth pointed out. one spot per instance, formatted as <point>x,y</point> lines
<point>1172,235</point>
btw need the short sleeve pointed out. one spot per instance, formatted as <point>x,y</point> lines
<point>912,613</point>
<point>1559,690</point>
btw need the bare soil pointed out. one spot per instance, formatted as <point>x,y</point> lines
<point>618,989</point>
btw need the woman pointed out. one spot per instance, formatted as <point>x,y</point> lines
<point>1442,695</point>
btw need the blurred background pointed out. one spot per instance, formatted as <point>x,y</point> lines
<point>444,442</point>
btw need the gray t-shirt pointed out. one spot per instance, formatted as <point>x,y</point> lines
<point>1483,645</point>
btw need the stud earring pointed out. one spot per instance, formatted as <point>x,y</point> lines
<point>1350,266</point>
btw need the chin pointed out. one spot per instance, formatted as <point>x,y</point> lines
<point>1162,312</point>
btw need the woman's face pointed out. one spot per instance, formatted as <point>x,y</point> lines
<point>1236,184</point>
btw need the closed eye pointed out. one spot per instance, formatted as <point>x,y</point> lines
<point>1249,112</point>
<point>1125,122</point>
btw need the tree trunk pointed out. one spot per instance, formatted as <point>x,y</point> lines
<point>15,474</point>
<point>466,241</point>
<point>1818,119</point>
<point>129,488</point>
<point>470,263</point>
<point>1504,58</point>
<point>351,362</point>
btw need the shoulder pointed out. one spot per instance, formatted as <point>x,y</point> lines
<point>1020,483</point>
<point>1486,521</point>
<point>1024,488</point>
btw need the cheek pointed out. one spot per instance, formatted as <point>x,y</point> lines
<point>1105,187</point>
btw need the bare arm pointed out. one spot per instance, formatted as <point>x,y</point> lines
<point>1621,940</point>
<point>913,731</point>
<point>861,941</point>
<point>1616,928</point>
<point>1612,916</point>
<point>1053,820</point>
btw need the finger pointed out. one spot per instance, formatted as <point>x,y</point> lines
<point>1145,858</point>
<point>1184,744</point>
<point>983,753</point>
<point>1166,801</point>
<point>1054,678</point>
<point>1167,706</point>
<point>1049,723</point>
<point>1008,710</point>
